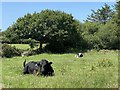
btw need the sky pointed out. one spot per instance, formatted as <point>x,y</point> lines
<point>11,11</point>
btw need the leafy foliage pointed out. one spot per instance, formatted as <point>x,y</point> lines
<point>101,15</point>
<point>60,32</point>
<point>90,30</point>
<point>8,51</point>
<point>102,35</point>
<point>118,20</point>
<point>108,36</point>
<point>57,26</point>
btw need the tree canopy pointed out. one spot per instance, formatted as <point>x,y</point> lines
<point>57,27</point>
<point>62,33</point>
<point>100,30</point>
<point>101,15</point>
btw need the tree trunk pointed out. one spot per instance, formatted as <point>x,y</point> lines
<point>40,48</point>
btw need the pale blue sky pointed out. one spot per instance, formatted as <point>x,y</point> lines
<point>80,10</point>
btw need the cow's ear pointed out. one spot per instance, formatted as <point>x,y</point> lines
<point>50,62</point>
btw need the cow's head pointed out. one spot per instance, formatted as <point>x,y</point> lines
<point>46,68</point>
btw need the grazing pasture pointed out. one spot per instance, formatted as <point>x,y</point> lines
<point>21,46</point>
<point>93,70</point>
<point>26,46</point>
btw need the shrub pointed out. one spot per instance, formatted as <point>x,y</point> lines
<point>5,40</point>
<point>109,36</point>
<point>32,44</point>
<point>89,31</point>
<point>55,47</point>
<point>8,51</point>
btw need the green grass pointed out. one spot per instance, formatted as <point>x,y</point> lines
<point>21,46</point>
<point>25,46</point>
<point>94,70</point>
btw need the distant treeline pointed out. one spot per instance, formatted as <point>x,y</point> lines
<point>62,33</point>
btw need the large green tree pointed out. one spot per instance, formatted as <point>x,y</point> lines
<point>100,34</point>
<point>89,31</point>
<point>118,21</point>
<point>108,35</point>
<point>118,9</point>
<point>48,26</point>
<point>101,15</point>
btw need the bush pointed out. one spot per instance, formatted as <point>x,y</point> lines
<point>55,47</point>
<point>89,31</point>
<point>4,40</point>
<point>8,51</point>
<point>109,36</point>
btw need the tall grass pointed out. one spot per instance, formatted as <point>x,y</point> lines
<point>93,70</point>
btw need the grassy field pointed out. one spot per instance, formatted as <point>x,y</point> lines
<point>21,46</point>
<point>94,70</point>
<point>25,46</point>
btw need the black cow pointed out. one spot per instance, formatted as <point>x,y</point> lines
<point>43,67</point>
<point>30,67</point>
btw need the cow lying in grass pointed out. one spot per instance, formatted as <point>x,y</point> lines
<point>42,67</point>
<point>30,67</point>
<point>79,55</point>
